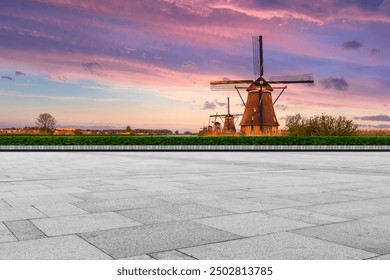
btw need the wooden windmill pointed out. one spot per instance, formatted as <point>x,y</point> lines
<point>229,120</point>
<point>259,114</point>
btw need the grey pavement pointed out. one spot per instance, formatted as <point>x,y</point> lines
<point>195,205</point>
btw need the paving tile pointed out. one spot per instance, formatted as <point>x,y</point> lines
<point>25,186</point>
<point>39,200</point>
<point>250,224</point>
<point>241,193</point>
<point>189,197</point>
<point>238,205</point>
<point>60,209</point>
<point>383,220</point>
<point>381,190</point>
<point>109,187</point>
<point>353,209</point>
<point>367,236</point>
<point>119,204</point>
<point>286,190</point>
<point>306,216</point>
<point>133,241</point>
<point>6,195</point>
<point>24,230</point>
<point>82,223</point>
<point>141,257</point>
<point>156,190</point>
<point>20,213</point>
<point>171,255</point>
<point>4,204</point>
<point>282,202</point>
<point>5,234</point>
<point>360,193</point>
<point>110,195</point>
<point>277,246</point>
<point>70,190</point>
<point>57,248</point>
<point>172,213</point>
<point>320,198</point>
<point>381,257</point>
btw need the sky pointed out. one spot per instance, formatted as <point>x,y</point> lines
<point>148,63</point>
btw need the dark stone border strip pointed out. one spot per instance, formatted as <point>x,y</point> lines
<point>196,148</point>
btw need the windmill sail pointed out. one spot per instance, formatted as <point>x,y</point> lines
<point>291,79</point>
<point>230,85</point>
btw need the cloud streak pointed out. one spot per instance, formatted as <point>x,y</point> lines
<point>339,84</point>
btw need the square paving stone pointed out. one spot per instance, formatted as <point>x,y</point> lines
<point>6,195</point>
<point>43,199</point>
<point>367,236</point>
<point>277,246</point>
<point>189,197</point>
<point>362,194</point>
<point>172,213</point>
<point>110,195</point>
<point>286,190</point>
<point>139,240</point>
<point>250,224</point>
<point>353,209</point>
<point>171,255</point>
<point>120,204</point>
<point>306,216</point>
<point>238,205</point>
<point>320,198</point>
<point>60,209</point>
<point>24,230</point>
<point>82,223</point>
<point>20,213</point>
<point>46,191</point>
<point>4,204</point>
<point>57,248</point>
<point>282,202</point>
<point>382,257</point>
<point>141,257</point>
<point>5,234</point>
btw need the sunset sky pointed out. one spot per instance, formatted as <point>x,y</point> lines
<point>148,63</point>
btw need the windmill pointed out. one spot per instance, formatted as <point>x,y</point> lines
<point>259,114</point>
<point>229,120</point>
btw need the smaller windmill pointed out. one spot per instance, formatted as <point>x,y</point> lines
<point>259,114</point>
<point>229,120</point>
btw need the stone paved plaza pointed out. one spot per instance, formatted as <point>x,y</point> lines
<point>194,205</point>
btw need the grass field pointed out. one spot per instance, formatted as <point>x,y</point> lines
<point>192,140</point>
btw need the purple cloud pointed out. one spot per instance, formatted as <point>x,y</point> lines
<point>19,73</point>
<point>351,45</point>
<point>375,51</point>
<point>209,105</point>
<point>91,67</point>
<point>379,118</point>
<point>8,78</point>
<point>334,83</point>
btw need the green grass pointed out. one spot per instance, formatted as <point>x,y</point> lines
<point>194,140</point>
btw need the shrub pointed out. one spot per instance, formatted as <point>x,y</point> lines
<point>324,125</point>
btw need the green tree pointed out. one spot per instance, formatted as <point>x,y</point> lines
<point>128,128</point>
<point>77,132</point>
<point>46,123</point>
<point>324,125</point>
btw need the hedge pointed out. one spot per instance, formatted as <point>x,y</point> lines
<point>192,140</point>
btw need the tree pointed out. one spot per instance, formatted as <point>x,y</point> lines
<point>324,125</point>
<point>77,132</point>
<point>46,122</point>
<point>128,128</point>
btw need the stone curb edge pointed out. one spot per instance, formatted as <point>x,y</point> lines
<point>196,148</point>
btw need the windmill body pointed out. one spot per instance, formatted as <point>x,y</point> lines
<point>229,121</point>
<point>259,115</point>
